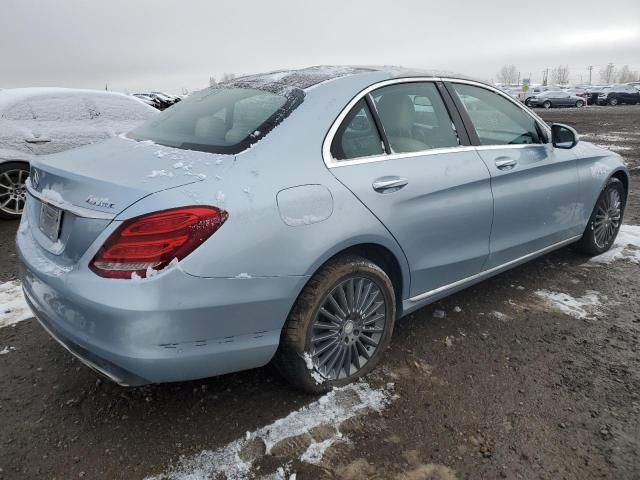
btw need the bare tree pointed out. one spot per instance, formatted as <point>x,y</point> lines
<point>560,75</point>
<point>508,74</point>
<point>625,75</point>
<point>227,76</point>
<point>212,81</point>
<point>607,73</point>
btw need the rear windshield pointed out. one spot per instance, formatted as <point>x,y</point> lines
<point>223,119</point>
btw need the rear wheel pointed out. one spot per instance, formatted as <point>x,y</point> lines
<point>547,104</point>
<point>579,103</point>
<point>339,326</point>
<point>606,219</point>
<point>13,192</point>
<point>613,101</point>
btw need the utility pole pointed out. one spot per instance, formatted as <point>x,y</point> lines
<point>590,68</point>
<point>545,76</point>
<point>518,78</point>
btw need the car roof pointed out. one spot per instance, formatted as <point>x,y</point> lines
<point>12,96</point>
<point>310,77</point>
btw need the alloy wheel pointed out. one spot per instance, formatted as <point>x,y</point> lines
<point>13,191</point>
<point>348,328</point>
<point>607,219</point>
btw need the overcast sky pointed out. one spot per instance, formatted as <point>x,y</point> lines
<point>139,45</point>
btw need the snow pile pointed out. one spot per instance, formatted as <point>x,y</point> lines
<point>13,307</point>
<point>626,246</point>
<point>584,307</point>
<point>6,350</point>
<point>315,374</point>
<point>330,410</point>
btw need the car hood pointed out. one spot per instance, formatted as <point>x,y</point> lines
<point>107,178</point>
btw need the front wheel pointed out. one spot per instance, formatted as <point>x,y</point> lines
<point>579,103</point>
<point>613,102</point>
<point>13,191</point>
<point>547,104</point>
<point>606,219</point>
<point>339,326</point>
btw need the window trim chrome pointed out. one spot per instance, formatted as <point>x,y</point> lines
<point>331,162</point>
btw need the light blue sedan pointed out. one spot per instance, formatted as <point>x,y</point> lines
<point>295,216</point>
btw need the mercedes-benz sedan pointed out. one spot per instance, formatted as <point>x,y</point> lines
<point>295,216</point>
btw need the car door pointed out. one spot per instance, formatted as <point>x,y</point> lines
<point>60,122</point>
<point>399,150</point>
<point>535,186</point>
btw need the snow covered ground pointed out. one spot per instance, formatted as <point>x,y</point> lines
<point>13,307</point>
<point>626,246</point>
<point>235,460</point>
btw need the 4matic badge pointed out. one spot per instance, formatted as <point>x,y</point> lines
<point>99,201</point>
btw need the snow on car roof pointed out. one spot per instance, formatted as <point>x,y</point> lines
<point>306,78</point>
<point>11,96</point>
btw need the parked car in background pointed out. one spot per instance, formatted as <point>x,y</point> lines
<point>592,93</point>
<point>39,121</point>
<point>295,217</point>
<point>577,91</point>
<point>164,100</point>
<point>618,94</point>
<point>148,100</point>
<point>555,98</point>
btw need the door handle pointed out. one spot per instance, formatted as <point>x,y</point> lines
<point>37,139</point>
<point>505,163</point>
<point>389,184</point>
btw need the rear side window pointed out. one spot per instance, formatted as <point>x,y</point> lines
<point>65,108</point>
<point>357,136</point>
<point>497,121</point>
<point>225,119</point>
<point>414,117</point>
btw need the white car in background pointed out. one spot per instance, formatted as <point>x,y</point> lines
<point>39,121</point>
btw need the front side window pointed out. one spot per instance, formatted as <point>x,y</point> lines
<point>497,121</point>
<point>414,117</point>
<point>357,136</point>
<point>224,119</point>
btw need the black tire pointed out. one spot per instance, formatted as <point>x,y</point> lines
<point>547,104</point>
<point>589,243</point>
<point>527,102</point>
<point>14,197</point>
<point>579,103</point>
<point>296,358</point>
<point>613,101</point>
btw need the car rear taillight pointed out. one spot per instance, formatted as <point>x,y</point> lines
<point>148,243</point>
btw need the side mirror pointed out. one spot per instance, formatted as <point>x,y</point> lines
<point>563,136</point>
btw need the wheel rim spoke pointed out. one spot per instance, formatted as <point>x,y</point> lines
<point>348,328</point>
<point>12,191</point>
<point>607,218</point>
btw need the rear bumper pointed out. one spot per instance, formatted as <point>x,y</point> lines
<point>171,327</point>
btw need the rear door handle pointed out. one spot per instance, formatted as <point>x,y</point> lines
<point>389,184</point>
<point>37,139</point>
<point>505,163</point>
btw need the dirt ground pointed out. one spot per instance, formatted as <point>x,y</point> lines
<point>505,385</point>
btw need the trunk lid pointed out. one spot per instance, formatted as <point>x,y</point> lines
<point>108,177</point>
<point>92,185</point>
